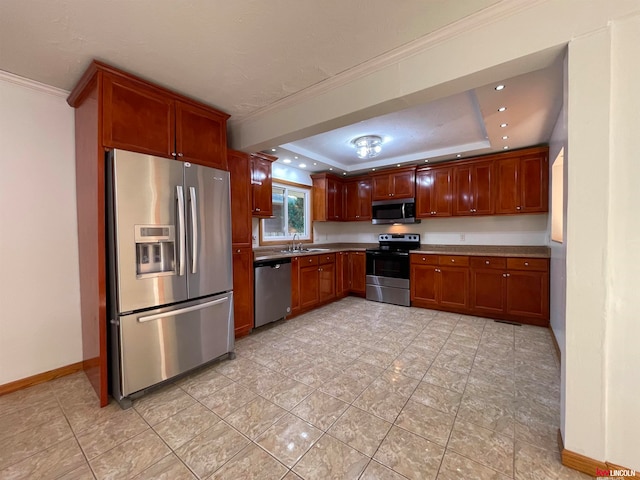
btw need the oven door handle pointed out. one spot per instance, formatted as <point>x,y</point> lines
<point>388,254</point>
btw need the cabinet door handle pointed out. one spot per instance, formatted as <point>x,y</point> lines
<point>424,259</point>
<point>486,262</point>
<point>508,274</point>
<point>504,275</point>
<point>518,208</point>
<point>238,251</point>
<point>526,264</point>
<point>257,209</point>
<point>181,154</point>
<point>452,260</point>
<point>173,154</point>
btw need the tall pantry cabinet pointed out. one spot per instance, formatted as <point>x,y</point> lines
<point>114,109</point>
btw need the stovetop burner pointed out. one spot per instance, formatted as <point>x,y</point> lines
<point>397,242</point>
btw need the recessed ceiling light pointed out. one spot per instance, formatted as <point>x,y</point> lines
<point>315,163</point>
<point>273,149</point>
<point>426,161</point>
<point>302,165</point>
<point>330,168</point>
<point>504,137</point>
<point>505,147</point>
<point>286,160</point>
<point>373,169</point>
<point>458,155</point>
<point>398,165</point>
<point>344,173</point>
<point>502,125</point>
<point>499,87</point>
<point>295,158</point>
<point>502,109</point>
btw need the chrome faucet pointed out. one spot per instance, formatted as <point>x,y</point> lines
<point>293,242</point>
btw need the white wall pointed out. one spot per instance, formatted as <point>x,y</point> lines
<point>493,230</point>
<point>623,302</point>
<point>558,267</point>
<point>39,289</point>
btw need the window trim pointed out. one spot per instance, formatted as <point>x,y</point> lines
<point>298,186</point>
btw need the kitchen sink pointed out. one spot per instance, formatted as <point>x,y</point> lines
<point>305,250</point>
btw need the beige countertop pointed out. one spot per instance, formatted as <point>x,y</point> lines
<point>271,253</point>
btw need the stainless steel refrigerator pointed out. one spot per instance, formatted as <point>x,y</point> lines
<point>170,273</point>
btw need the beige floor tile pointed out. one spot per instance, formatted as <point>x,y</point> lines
<point>105,435</point>
<point>440,398</point>
<point>252,463</point>
<point>457,467</point>
<point>409,454</point>
<point>360,430</point>
<point>27,418</point>
<point>380,402</point>
<point>288,393</point>
<point>156,406</point>
<point>255,417</point>
<point>320,410</point>
<point>130,458</point>
<point>539,434</point>
<point>204,383</point>
<point>228,399</point>
<point>85,415</point>
<point>291,476</point>
<point>495,412</point>
<point>83,472</point>
<point>207,452</point>
<point>377,471</point>
<point>60,459</point>
<point>427,422</point>
<point>446,378</point>
<point>411,364</point>
<point>530,411</point>
<point>289,439</point>
<point>396,383</point>
<point>533,463</point>
<point>330,458</point>
<point>265,383</point>
<point>169,468</point>
<point>377,358</point>
<point>457,362</point>
<point>186,424</point>
<point>24,444</point>
<point>360,369</point>
<point>346,387</point>
<point>29,397</point>
<point>482,445</point>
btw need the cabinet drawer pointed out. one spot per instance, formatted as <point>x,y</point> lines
<point>536,264</point>
<point>419,259</point>
<point>327,258</point>
<point>456,260</point>
<point>489,262</point>
<point>310,260</point>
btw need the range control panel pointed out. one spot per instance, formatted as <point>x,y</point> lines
<point>399,237</point>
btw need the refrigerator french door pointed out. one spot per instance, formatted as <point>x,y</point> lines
<point>170,269</point>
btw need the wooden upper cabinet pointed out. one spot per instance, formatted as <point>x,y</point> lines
<point>327,197</point>
<point>357,199</point>
<point>261,184</point>
<point>201,135</point>
<point>399,183</point>
<point>523,182</point>
<point>473,188</point>
<point>137,117</point>
<point>433,192</point>
<point>240,174</point>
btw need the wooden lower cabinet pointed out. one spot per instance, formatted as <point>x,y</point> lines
<point>437,282</point>
<point>327,281</point>
<point>357,273</point>
<point>243,290</point>
<point>295,286</point>
<point>309,287</point>
<point>342,273</point>
<point>515,289</point>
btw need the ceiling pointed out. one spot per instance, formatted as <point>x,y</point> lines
<point>245,56</point>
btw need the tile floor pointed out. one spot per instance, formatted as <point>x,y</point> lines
<point>352,390</point>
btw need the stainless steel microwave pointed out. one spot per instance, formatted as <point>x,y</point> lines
<point>388,212</point>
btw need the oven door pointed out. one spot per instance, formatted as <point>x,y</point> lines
<point>388,268</point>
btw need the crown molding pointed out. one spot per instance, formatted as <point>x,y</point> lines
<point>32,84</point>
<point>489,15</point>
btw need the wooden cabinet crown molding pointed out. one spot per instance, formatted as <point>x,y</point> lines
<point>81,89</point>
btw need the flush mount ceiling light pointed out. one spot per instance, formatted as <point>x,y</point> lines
<point>368,146</point>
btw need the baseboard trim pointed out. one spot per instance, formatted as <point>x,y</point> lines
<point>585,464</point>
<point>556,346</point>
<point>40,378</point>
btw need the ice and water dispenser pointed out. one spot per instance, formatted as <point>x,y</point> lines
<point>155,250</point>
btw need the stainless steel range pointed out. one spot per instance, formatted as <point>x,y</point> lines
<point>388,268</point>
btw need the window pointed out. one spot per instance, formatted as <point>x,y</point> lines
<point>291,214</point>
<point>557,198</point>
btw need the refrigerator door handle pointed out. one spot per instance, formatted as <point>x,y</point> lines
<point>180,311</point>
<point>194,230</point>
<point>181,231</point>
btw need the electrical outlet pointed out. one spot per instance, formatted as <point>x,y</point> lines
<point>462,237</point>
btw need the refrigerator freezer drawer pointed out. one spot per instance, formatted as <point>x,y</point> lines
<point>159,344</point>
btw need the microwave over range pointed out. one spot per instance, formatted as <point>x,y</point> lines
<point>388,212</point>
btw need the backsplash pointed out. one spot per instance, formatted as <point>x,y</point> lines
<point>490,230</point>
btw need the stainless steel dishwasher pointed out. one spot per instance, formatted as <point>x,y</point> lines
<point>272,289</point>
